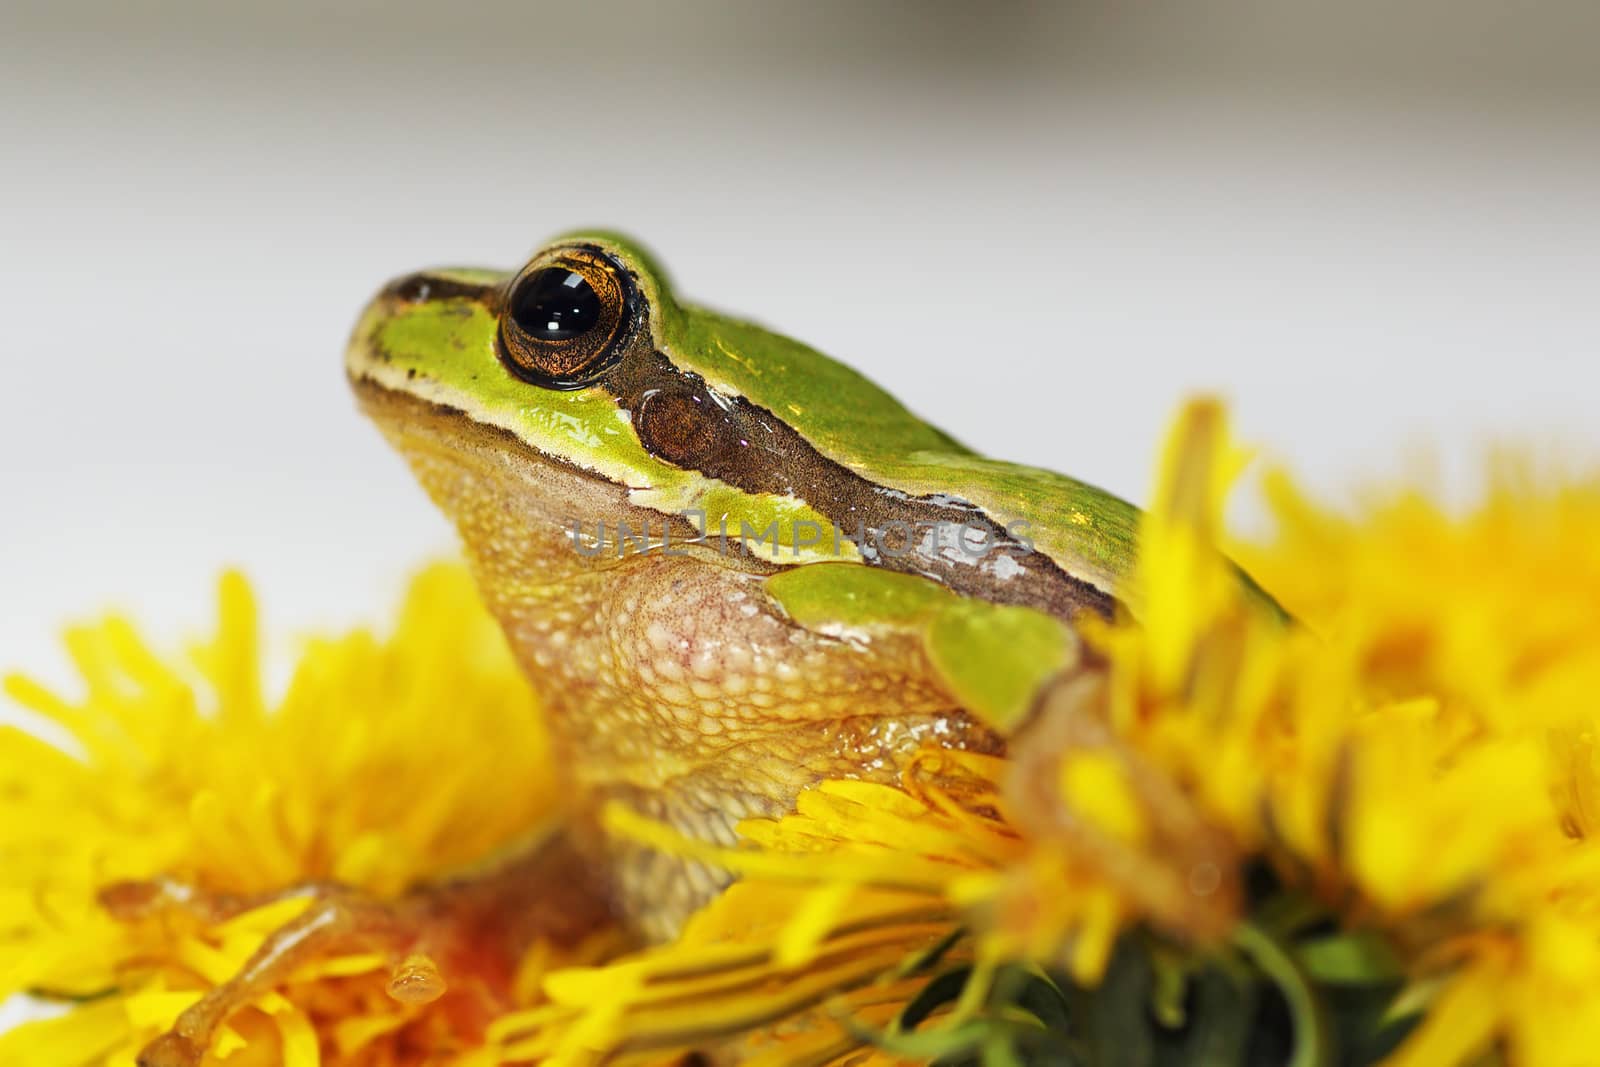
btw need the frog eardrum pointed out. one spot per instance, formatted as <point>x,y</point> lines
<point>566,317</point>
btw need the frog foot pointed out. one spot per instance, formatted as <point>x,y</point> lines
<point>474,928</point>
<point>338,919</point>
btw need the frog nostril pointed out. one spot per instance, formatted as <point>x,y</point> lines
<point>410,289</point>
<point>425,285</point>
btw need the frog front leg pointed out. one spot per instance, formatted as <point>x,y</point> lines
<point>472,929</point>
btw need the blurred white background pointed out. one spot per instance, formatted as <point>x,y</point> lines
<point>1367,224</point>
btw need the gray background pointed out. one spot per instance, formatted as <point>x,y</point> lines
<point>1367,224</point>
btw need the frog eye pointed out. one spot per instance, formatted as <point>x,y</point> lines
<point>564,319</point>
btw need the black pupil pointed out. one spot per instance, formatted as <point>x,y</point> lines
<point>555,304</point>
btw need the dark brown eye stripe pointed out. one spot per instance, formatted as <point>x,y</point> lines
<point>682,421</point>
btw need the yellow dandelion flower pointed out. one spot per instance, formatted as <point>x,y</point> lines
<point>1418,755</point>
<point>1420,817</point>
<point>1366,833</point>
<point>371,771</point>
<point>1466,650</point>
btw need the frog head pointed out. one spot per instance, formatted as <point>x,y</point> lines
<point>581,389</point>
